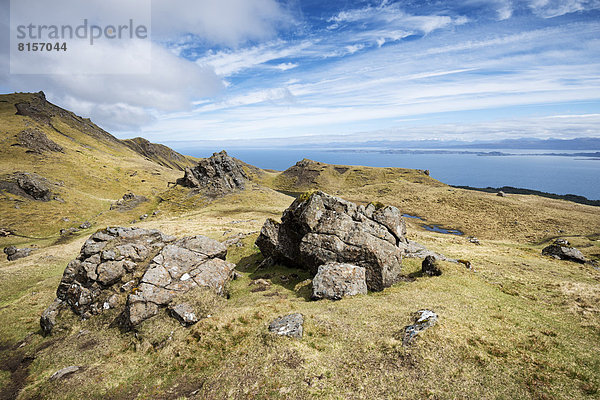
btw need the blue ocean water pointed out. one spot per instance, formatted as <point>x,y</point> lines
<point>552,174</point>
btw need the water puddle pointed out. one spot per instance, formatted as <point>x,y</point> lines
<point>439,229</point>
<point>413,216</point>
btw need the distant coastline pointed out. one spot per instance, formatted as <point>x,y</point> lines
<point>513,190</point>
<point>588,156</point>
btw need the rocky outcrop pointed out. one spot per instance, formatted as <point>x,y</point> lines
<point>424,319</point>
<point>289,325</point>
<point>138,272</point>
<point>335,281</point>
<point>561,249</point>
<point>36,141</point>
<point>13,253</point>
<point>216,176</point>
<point>319,228</point>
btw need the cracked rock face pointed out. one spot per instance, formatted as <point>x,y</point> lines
<point>320,228</point>
<point>138,271</point>
<point>217,175</point>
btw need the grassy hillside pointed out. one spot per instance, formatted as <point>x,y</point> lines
<point>519,325</point>
<point>93,170</point>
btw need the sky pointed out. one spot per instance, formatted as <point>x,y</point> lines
<point>300,71</point>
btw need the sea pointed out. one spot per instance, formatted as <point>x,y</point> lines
<point>526,169</point>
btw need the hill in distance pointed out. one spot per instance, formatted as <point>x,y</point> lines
<point>516,325</point>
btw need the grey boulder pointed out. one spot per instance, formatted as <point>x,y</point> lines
<point>560,249</point>
<point>319,228</point>
<point>13,253</point>
<point>335,281</point>
<point>424,319</point>
<point>138,272</point>
<point>289,325</point>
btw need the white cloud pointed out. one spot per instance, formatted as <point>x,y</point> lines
<point>229,62</point>
<point>286,66</point>
<point>228,22</point>
<point>555,8</point>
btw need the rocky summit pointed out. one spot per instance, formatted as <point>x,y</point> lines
<point>319,228</point>
<point>138,272</point>
<point>218,175</point>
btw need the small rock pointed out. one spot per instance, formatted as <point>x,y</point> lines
<point>424,319</point>
<point>13,253</point>
<point>560,250</point>
<point>184,313</point>
<point>335,280</point>
<point>143,217</point>
<point>466,263</point>
<point>474,240</point>
<point>289,325</point>
<point>430,266</point>
<point>85,225</point>
<point>64,372</point>
<point>501,194</point>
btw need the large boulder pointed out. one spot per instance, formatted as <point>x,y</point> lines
<point>319,228</point>
<point>138,271</point>
<point>335,281</point>
<point>216,176</point>
<point>561,249</point>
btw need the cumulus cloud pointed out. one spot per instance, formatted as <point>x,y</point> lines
<point>165,82</point>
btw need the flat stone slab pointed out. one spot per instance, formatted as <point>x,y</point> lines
<point>289,325</point>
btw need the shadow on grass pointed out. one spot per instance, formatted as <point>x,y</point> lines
<point>279,275</point>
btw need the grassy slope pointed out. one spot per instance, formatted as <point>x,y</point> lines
<point>91,174</point>
<point>519,326</point>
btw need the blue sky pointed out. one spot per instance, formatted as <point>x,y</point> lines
<point>309,70</point>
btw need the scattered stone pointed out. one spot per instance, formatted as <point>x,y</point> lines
<point>128,202</point>
<point>48,318</point>
<point>155,213</point>
<point>155,268</point>
<point>64,372</point>
<point>217,175</point>
<point>560,250</point>
<point>426,172</point>
<point>5,232</point>
<point>13,253</point>
<point>474,240</point>
<point>319,228</point>
<point>184,313</point>
<point>335,281</point>
<point>143,217</point>
<point>260,285</point>
<point>466,263</point>
<point>289,325</point>
<point>68,231</point>
<point>36,141</point>
<point>85,225</point>
<point>430,266</point>
<point>424,319</point>
<point>501,194</point>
